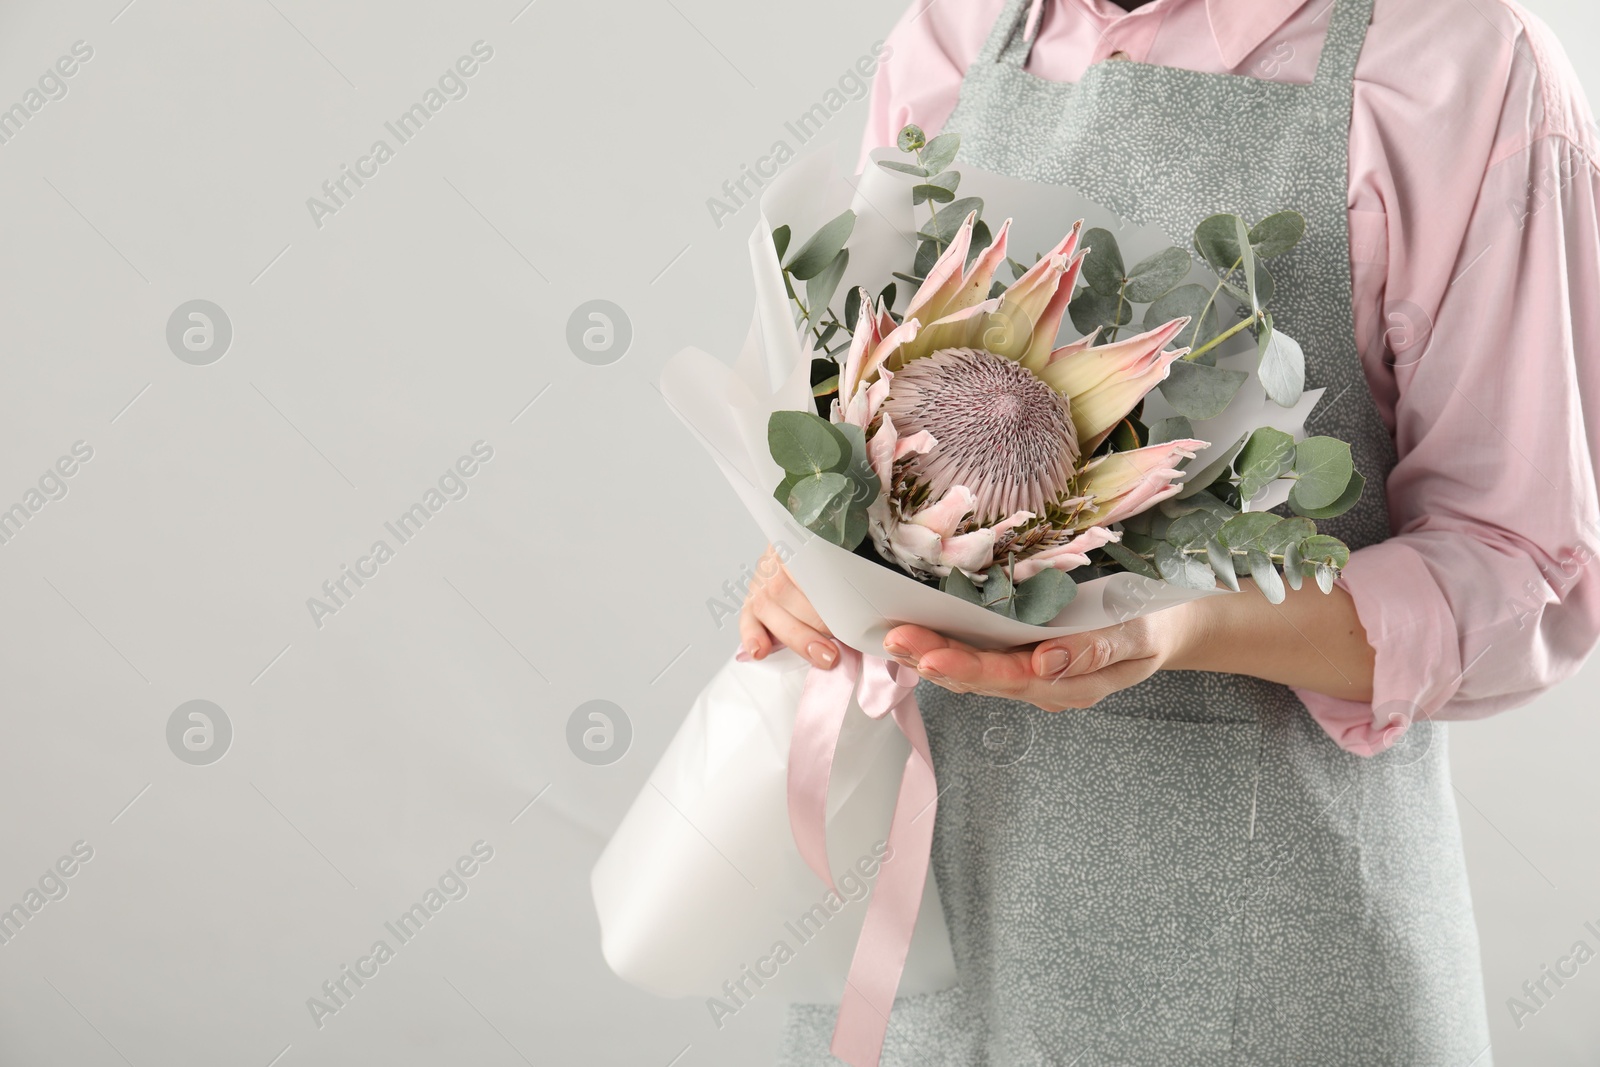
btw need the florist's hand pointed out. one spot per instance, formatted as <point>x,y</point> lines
<point>1064,672</point>
<point>777,613</point>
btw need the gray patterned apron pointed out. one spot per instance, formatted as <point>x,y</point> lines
<point>1191,873</point>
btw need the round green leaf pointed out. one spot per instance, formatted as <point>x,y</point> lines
<point>1155,276</point>
<point>1199,391</point>
<point>803,443</point>
<point>1265,576</point>
<point>1276,234</point>
<point>940,152</point>
<point>812,494</point>
<point>911,138</point>
<point>1041,598</point>
<point>1283,366</point>
<point>1102,265</point>
<point>1267,456</point>
<point>1186,301</point>
<point>1347,500</point>
<point>1323,467</point>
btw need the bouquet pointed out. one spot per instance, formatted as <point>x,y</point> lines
<point>978,453</point>
<point>946,460</point>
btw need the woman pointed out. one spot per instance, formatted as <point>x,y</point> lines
<point>1236,841</point>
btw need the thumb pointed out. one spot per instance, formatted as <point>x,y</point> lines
<point>1075,655</point>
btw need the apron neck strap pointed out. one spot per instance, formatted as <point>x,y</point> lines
<point>1011,40</point>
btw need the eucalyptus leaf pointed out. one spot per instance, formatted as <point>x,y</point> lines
<point>780,241</point>
<point>852,306</point>
<point>1190,302</point>
<point>864,484</point>
<point>1267,455</point>
<point>1155,276</point>
<point>1283,365</point>
<point>1276,234</point>
<point>904,168</point>
<point>940,152</point>
<point>1283,533</point>
<point>1199,391</point>
<point>959,585</point>
<point>1265,576</point>
<point>1325,577</point>
<point>1326,550</point>
<point>826,386</point>
<point>1175,428</point>
<point>1347,500</point>
<point>943,226</point>
<point>1323,468</point>
<point>1090,309</point>
<point>804,443</point>
<point>815,255</point>
<point>925,192</point>
<point>927,256</point>
<point>1217,241</point>
<point>999,595</point>
<point>1221,561</point>
<point>1041,598</point>
<point>1195,528</point>
<point>949,179</point>
<point>1182,569</point>
<point>911,138</point>
<point>812,494</point>
<point>1131,560</point>
<point>1294,570</point>
<point>1102,265</point>
<point>1207,475</point>
<point>887,294</point>
<point>1244,530</point>
<point>1247,259</point>
<point>981,239</point>
<point>820,289</point>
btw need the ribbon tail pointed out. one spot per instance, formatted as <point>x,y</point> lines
<point>824,703</point>
<point>880,956</point>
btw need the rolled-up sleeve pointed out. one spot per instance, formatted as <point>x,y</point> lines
<point>1489,591</point>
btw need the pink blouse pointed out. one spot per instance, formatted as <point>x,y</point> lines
<point>1475,251</point>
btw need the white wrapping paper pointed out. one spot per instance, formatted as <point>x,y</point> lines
<point>703,873</point>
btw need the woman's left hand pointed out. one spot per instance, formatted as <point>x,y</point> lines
<point>1062,673</point>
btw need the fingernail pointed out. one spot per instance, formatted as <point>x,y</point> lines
<point>1054,661</point>
<point>896,650</point>
<point>930,674</point>
<point>822,652</point>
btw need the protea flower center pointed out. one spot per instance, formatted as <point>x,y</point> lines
<point>1001,432</point>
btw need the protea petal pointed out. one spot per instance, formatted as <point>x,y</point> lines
<point>966,328</point>
<point>1105,383</point>
<point>862,342</point>
<point>1121,484</point>
<point>944,516</point>
<point>1065,556</point>
<point>1032,306</point>
<point>946,278</point>
<point>970,552</point>
<point>975,288</point>
<point>880,451</point>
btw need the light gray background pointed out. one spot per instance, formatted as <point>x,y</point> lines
<point>368,354</point>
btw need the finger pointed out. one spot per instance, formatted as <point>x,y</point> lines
<point>911,643</point>
<point>997,673</point>
<point>812,644</point>
<point>1094,650</point>
<point>754,637</point>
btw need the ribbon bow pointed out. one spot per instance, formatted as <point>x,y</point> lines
<point>881,688</point>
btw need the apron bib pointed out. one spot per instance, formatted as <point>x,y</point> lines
<point>1192,873</point>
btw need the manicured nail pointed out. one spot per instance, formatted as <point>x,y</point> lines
<point>822,652</point>
<point>930,674</point>
<point>897,650</point>
<point>1054,661</point>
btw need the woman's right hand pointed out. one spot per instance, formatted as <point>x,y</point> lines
<point>777,613</point>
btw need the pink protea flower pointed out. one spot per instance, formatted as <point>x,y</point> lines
<point>978,426</point>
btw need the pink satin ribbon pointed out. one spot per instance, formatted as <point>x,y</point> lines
<point>881,688</point>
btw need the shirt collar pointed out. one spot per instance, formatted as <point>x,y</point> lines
<point>1238,26</point>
